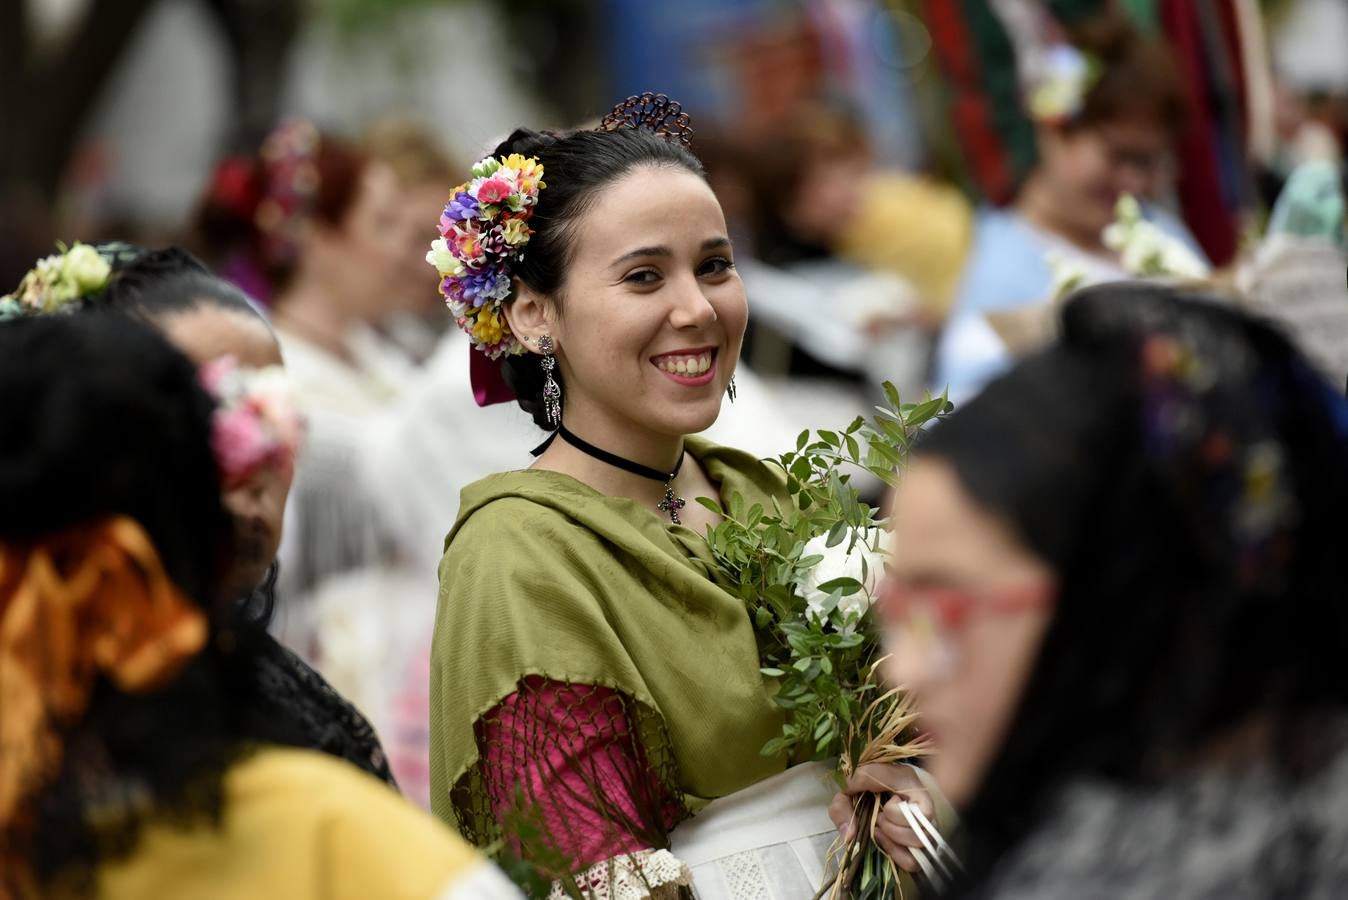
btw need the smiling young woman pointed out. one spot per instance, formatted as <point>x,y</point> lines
<point>587,672</point>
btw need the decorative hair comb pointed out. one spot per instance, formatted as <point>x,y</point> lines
<point>651,112</point>
<point>483,232</point>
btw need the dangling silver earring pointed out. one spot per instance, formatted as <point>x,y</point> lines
<point>552,391</point>
<point>730,389</point>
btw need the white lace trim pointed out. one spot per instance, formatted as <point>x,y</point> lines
<point>744,876</point>
<point>634,876</point>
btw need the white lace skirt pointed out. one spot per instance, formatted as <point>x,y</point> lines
<point>769,841</point>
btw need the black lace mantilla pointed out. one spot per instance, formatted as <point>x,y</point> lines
<point>289,687</point>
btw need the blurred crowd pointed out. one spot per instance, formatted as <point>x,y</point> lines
<point>910,186</point>
<point>903,181</point>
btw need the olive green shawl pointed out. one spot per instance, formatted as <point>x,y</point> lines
<point>542,575</point>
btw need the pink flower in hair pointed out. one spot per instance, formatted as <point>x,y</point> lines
<point>494,190</point>
<point>256,424</point>
<point>240,444</point>
<point>466,245</point>
<point>482,236</point>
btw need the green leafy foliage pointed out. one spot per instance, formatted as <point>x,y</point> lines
<point>818,640</point>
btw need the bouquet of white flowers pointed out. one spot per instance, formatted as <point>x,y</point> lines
<point>808,574</point>
<point>1144,249</point>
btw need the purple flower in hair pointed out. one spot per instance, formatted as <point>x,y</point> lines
<point>481,287</point>
<point>462,206</point>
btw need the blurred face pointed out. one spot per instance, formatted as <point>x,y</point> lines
<point>362,258</point>
<point>419,209</point>
<point>825,200</point>
<point>257,506</point>
<point>653,311</point>
<point>965,609</point>
<point>1088,169</point>
<point>207,332</point>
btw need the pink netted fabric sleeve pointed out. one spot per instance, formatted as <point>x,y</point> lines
<point>570,758</point>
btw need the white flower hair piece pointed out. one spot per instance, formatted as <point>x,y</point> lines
<point>1058,82</point>
<point>56,281</point>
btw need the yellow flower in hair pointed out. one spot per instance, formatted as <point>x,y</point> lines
<point>529,172</point>
<point>86,268</point>
<point>488,329</point>
<point>515,231</point>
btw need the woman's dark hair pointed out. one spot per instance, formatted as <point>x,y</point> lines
<point>151,284</point>
<point>102,417</point>
<point>1184,471</point>
<point>1137,75</point>
<point>576,167</point>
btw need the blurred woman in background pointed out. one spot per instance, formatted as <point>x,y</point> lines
<point>315,222</point>
<point>1118,597</point>
<point>318,221</point>
<point>207,318</point>
<point>135,760</point>
<point>1108,108</point>
<point>330,227</point>
<point>417,318</point>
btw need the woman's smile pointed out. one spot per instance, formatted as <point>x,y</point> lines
<point>691,367</point>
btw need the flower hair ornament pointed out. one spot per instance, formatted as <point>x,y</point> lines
<point>289,184</point>
<point>1059,79</point>
<point>1219,448</point>
<point>483,231</point>
<point>58,281</point>
<point>256,424</point>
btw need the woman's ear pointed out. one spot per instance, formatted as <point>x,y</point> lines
<point>529,315</point>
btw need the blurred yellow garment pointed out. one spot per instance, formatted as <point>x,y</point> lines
<point>914,227</point>
<point>304,826</point>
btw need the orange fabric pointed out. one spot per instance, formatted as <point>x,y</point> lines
<point>90,601</point>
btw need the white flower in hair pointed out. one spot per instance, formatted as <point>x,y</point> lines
<point>86,268</point>
<point>57,280</point>
<point>442,257</point>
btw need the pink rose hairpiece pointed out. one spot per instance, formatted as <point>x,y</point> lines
<point>256,424</point>
<point>483,232</point>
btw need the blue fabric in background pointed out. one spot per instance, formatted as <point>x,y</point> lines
<point>680,49</point>
<point>663,47</point>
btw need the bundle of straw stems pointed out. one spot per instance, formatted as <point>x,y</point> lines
<point>863,870</point>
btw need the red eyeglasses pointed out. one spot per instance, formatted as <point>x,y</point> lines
<point>951,607</point>
<point>925,622</point>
